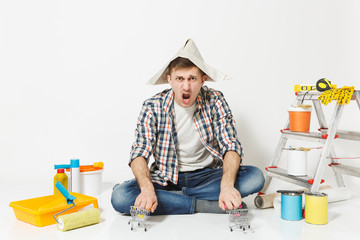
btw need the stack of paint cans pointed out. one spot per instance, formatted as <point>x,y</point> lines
<point>316,206</point>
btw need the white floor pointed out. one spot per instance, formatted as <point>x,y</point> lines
<point>343,222</point>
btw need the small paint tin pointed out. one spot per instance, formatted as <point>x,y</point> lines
<point>316,208</point>
<point>297,162</point>
<point>299,118</point>
<point>291,205</point>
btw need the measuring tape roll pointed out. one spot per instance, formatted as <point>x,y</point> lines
<point>323,85</point>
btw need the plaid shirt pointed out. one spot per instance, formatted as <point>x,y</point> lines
<point>156,134</point>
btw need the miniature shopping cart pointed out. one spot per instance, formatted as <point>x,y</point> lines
<point>238,219</point>
<point>139,215</point>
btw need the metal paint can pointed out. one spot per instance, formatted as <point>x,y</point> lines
<point>316,208</point>
<point>297,162</point>
<point>299,118</point>
<point>291,205</point>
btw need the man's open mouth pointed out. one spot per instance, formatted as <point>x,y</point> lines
<point>186,96</point>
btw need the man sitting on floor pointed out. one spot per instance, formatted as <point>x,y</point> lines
<point>190,131</point>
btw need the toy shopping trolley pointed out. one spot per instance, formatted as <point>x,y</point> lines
<point>139,215</point>
<point>238,219</point>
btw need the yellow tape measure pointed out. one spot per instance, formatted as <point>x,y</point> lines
<point>323,85</point>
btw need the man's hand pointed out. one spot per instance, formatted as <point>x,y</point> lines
<point>229,197</point>
<point>147,199</point>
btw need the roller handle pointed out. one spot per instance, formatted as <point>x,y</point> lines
<point>74,163</point>
<point>69,198</point>
<point>62,166</point>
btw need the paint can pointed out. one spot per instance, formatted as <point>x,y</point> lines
<point>90,180</point>
<point>299,118</point>
<point>297,161</point>
<point>316,208</point>
<point>291,205</point>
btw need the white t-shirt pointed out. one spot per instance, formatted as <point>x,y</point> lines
<point>192,154</point>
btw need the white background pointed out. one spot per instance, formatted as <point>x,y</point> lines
<point>73,73</point>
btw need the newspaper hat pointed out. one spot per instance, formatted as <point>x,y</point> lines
<point>191,52</point>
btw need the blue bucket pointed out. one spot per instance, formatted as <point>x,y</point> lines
<point>291,205</point>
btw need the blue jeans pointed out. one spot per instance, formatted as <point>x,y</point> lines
<point>200,184</point>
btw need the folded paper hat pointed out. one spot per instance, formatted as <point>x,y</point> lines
<point>191,52</point>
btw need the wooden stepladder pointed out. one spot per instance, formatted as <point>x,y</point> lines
<point>326,135</point>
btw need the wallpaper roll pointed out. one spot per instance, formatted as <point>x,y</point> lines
<point>266,200</point>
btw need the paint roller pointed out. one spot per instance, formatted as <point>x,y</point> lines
<point>77,219</point>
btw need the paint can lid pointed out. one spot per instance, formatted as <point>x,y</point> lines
<point>291,148</point>
<point>316,194</point>
<point>300,108</point>
<point>290,193</point>
<point>87,168</point>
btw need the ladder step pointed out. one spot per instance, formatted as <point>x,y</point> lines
<point>311,95</point>
<point>349,135</point>
<point>309,136</point>
<point>282,174</point>
<point>346,169</point>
